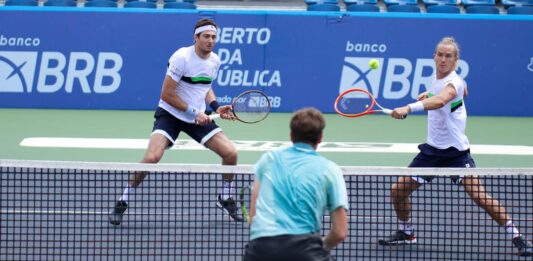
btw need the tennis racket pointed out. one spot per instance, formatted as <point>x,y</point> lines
<point>249,107</point>
<point>244,196</point>
<point>358,102</point>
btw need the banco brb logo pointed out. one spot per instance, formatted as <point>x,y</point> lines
<point>56,71</point>
<point>396,78</point>
<point>357,74</point>
<point>16,71</point>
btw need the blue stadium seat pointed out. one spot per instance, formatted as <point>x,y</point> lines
<point>509,3</point>
<point>101,3</point>
<point>362,8</point>
<point>482,9</point>
<point>314,2</point>
<point>180,5</point>
<point>400,2</point>
<point>179,1</point>
<point>440,2</point>
<point>515,10</point>
<point>478,2</point>
<point>323,7</point>
<point>21,3</point>
<point>60,3</point>
<point>404,8</point>
<point>169,1</point>
<point>138,4</point>
<point>443,9</point>
<point>359,2</point>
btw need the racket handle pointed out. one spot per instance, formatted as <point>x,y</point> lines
<point>389,112</point>
<point>214,116</point>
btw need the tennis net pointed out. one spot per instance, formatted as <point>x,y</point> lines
<point>60,210</point>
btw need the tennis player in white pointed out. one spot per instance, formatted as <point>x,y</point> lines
<point>447,146</point>
<point>186,91</point>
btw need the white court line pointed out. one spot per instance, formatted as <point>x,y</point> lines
<point>75,212</point>
<point>132,213</point>
<point>71,212</point>
<point>251,145</point>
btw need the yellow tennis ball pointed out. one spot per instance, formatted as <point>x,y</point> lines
<point>373,63</point>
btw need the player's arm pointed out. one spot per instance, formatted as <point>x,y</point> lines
<point>339,229</point>
<point>423,96</point>
<point>432,103</point>
<point>224,111</point>
<point>168,94</point>
<point>438,101</point>
<point>253,200</point>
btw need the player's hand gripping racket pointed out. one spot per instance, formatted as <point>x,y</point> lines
<point>358,102</point>
<point>244,196</point>
<point>249,107</point>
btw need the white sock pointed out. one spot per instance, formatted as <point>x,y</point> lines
<point>227,190</point>
<point>511,229</point>
<point>406,226</point>
<point>127,191</point>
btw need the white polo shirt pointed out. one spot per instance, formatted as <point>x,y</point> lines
<point>194,76</point>
<point>447,125</point>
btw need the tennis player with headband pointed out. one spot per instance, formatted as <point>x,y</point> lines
<point>447,146</point>
<point>186,90</point>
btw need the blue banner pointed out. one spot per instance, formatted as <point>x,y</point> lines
<point>87,59</point>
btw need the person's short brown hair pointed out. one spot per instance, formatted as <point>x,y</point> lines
<point>307,125</point>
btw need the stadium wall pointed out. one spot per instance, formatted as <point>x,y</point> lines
<point>86,58</point>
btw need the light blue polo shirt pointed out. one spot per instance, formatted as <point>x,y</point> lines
<point>297,186</point>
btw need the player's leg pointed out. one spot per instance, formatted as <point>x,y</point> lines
<point>400,196</point>
<point>156,147</point>
<point>212,137</point>
<point>476,191</point>
<point>222,146</point>
<point>165,131</point>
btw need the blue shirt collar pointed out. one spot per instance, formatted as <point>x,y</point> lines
<point>304,147</point>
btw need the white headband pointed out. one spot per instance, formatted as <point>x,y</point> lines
<point>204,28</point>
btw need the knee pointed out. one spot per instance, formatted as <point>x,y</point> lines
<point>397,192</point>
<point>230,156</point>
<point>151,157</point>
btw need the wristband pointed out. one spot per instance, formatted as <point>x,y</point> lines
<point>191,111</point>
<point>416,106</point>
<point>214,105</point>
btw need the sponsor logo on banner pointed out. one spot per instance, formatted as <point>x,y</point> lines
<point>357,74</point>
<point>52,72</point>
<point>17,71</point>
<point>394,79</point>
<point>239,68</point>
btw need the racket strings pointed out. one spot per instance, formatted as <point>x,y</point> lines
<point>251,107</point>
<point>355,104</point>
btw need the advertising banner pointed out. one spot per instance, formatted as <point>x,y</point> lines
<point>86,59</point>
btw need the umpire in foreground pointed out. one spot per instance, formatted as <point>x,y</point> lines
<point>293,188</point>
